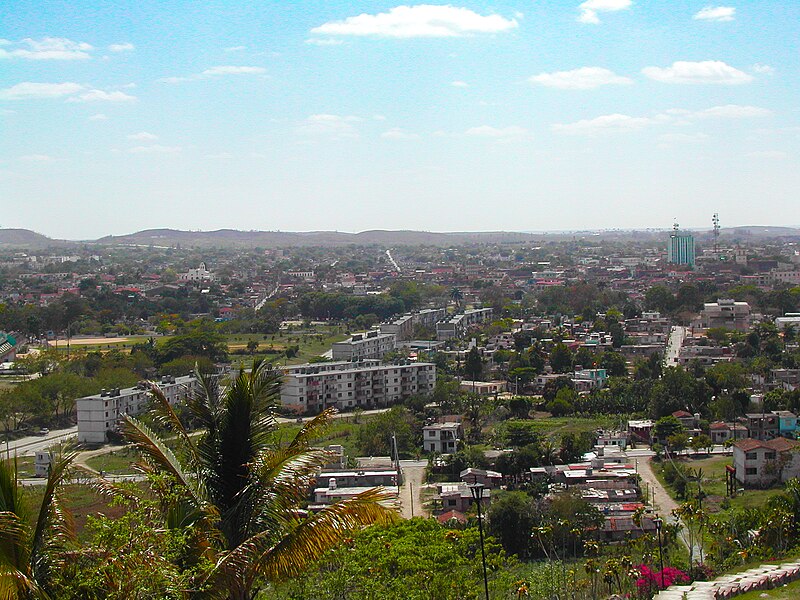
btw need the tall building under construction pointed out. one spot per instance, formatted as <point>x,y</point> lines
<point>681,248</point>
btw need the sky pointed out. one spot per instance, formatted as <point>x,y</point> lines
<point>524,115</point>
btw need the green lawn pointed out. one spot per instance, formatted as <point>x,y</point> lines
<point>312,343</point>
<point>117,462</point>
<point>342,431</point>
<point>713,483</point>
<point>555,427</point>
<point>790,591</point>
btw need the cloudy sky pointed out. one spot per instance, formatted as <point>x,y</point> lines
<point>343,115</point>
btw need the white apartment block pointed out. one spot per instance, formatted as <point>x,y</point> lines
<point>726,313</point>
<point>346,385</point>
<point>100,414</point>
<point>362,346</point>
<point>457,326</point>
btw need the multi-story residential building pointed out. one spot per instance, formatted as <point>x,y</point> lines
<point>402,328</point>
<point>442,438</point>
<point>726,313</point>
<point>362,346</point>
<point>762,426</point>
<point>99,414</point>
<point>761,463</point>
<point>681,248</point>
<point>347,385</point>
<point>457,325</point>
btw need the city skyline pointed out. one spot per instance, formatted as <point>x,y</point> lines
<point>355,116</point>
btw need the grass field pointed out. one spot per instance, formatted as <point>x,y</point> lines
<point>790,591</point>
<point>713,483</point>
<point>116,462</point>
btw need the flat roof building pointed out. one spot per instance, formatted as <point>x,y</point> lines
<point>99,414</point>
<point>346,385</point>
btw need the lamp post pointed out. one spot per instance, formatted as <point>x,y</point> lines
<point>658,523</point>
<point>476,489</point>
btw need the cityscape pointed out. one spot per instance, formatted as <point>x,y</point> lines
<point>361,300</point>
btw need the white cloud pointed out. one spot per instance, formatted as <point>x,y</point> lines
<point>488,131</point>
<point>395,133</point>
<point>143,136</point>
<point>732,111</point>
<point>603,124</point>
<point>232,70</point>
<point>583,78</point>
<point>590,8</point>
<point>707,71</point>
<point>337,126</point>
<point>459,84</point>
<point>124,47</point>
<point>36,158</point>
<point>677,138</point>
<point>102,96</point>
<point>422,20</point>
<point>217,71</point>
<point>715,13</point>
<point>763,69</point>
<point>155,149</point>
<point>49,48</point>
<point>99,117</point>
<point>31,90</point>
<point>324,42</point>
<point>236,49</point>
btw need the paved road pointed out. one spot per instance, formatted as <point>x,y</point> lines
<point>674,344</point>
<point>30,445</point>
<point>409,496</point>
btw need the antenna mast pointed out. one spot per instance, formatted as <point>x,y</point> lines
<point>715,221</point>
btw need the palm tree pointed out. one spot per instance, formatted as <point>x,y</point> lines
<point>456,296</point>
<point>239,489</point>
<point>32,545</point>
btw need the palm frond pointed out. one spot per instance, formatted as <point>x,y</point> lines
<point>154,449</point>
<point>16,585</point>
<point>301,542</point>
<point>55,528</point>
<point>165,415</point>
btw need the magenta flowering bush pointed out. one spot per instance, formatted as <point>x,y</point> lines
<point>648,578</point>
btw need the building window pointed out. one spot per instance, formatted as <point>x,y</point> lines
<point>751,471</point>
<point>769,455</point>
<point>751,456</point>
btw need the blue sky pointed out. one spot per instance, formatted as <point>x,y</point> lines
<point>119,116</point>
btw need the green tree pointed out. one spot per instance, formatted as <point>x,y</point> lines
<point>239,488</point>
<point>561,358</point>
<point>473,365</point>
<point>511,519</point>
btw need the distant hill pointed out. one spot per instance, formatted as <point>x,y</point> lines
<point>232,238</point>
<point>25,238</point>
<point>272,239</point>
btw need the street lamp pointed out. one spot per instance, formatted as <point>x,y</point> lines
<point>476,489</point>
<point>658,522</point>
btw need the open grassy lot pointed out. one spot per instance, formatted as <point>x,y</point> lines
<point>343,432</point>
<point>311,343</point>
<point>555,427</point>
<point>712,482</point>
<point>116,462</point>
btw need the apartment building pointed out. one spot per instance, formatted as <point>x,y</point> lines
<point>727,313</point>
<point>347,385</point>
<point>362,346</point>
<point>402,328</point>
<point>99,414</point>
<point>457,325</point>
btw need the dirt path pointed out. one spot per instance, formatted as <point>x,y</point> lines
<point>410,503</point>
<point>662,502</point>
